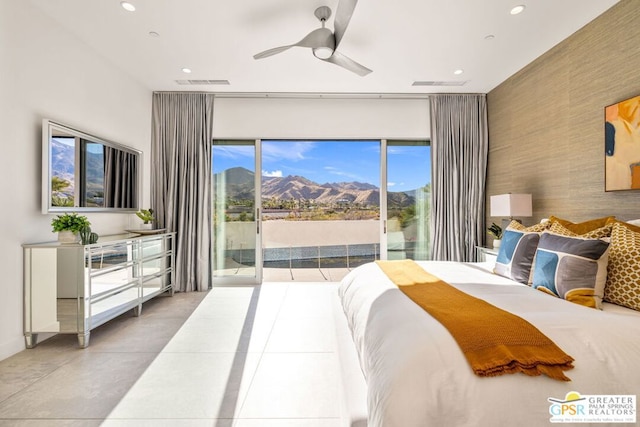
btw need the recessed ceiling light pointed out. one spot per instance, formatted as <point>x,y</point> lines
<point>458,71</point>
<point>186,70</point>
<point>127,6</point>
<point>489,37</point>
<point>153,34</point>
<point>518,9</point>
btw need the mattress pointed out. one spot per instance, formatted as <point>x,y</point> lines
<point>416,374</point>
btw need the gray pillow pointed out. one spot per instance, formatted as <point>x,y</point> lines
<point>516,254</point>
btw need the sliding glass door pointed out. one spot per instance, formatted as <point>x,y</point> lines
<point>237,257</point>
<point>317,205</point>
<point>407,196</point>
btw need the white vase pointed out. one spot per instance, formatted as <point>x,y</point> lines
<point>67,237</point>
<point>496,243</point>
<point>144,226</point>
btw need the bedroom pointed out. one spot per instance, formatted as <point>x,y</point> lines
<point>557,101</point>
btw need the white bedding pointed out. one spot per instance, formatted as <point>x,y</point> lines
<point>417,376</point>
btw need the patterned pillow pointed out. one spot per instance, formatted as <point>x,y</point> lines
<point>582,228</point>
<point>623,282</point>
<point>597,233</point>
<point>516,254</point>
<point>539,227</point>
<point>572,268</point>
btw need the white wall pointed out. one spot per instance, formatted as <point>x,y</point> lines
<point>322,118</point>
<point>45,72</point>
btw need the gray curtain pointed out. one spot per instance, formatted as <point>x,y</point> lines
<point>120,178</point>
<point>181,179</point>
<point>459,146</point>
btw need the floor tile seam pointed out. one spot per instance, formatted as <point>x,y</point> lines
<point>121,418</point>
<point>287,418</point>
<point>122,352</point>
<point>211,352</point>
<point>292,317</point>
<point>300,352</point>
<point>41,378</point>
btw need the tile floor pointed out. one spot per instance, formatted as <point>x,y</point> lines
<point>235,356</point>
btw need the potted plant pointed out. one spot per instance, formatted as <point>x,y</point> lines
<point>68,226</point>
<point>496,232</point>
<point>146,215</point>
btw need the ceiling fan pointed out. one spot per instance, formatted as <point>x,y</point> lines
<point>323,42</point>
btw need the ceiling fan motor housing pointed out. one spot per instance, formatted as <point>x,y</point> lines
<point>323,13</point>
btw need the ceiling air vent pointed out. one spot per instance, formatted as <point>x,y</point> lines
<point>202,82</point>
<point>441,83</point>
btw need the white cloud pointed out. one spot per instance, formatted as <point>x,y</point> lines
<point>390,184</point>
<point>335,171</point>
<point>272,174</point>
<point>286,150</point>
<point>235,151</point>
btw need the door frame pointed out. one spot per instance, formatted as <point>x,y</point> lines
<point>257,278</point>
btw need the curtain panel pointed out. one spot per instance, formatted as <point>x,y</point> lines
<point>120,178</point>
<point>181,179</point>
<point>459,147</point>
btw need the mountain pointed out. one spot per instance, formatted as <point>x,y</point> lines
<point>239,183</point>
<point>63,165</point>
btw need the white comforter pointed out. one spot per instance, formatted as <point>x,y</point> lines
<point>417,376</point>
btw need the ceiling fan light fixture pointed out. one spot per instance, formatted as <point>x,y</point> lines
<point>322,52</point>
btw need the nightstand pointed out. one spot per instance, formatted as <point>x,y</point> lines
<point>486,254</point>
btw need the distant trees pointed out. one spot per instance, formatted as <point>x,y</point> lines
<point>58,185</point>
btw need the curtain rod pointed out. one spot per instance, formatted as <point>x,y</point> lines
<point>310,95</point>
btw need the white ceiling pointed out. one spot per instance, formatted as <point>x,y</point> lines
<point>402,41</point>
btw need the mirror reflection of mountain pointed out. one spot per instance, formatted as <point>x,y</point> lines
<point>239,182</point>
<point>62,166</point>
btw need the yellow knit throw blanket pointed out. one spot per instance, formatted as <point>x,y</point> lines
<point>494,341</point>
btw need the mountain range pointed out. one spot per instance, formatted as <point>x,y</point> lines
<point>239,183</point>
<point>63,165</point>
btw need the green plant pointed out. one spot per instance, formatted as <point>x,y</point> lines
<point>146,215</point>
<point>495,230</point>
<point>69,222</point>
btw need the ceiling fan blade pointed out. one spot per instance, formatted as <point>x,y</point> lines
<point>321,37</point>
<point>271,52</point>
<point>345,62</point>
<point>343,16</point>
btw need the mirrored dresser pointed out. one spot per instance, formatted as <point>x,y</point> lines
<point>74,288</point>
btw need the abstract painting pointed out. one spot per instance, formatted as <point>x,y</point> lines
<point>622,145</point>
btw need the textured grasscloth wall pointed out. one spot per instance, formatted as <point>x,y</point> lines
<point>546,130</point>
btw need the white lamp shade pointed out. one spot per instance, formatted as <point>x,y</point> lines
<point>511,205</point>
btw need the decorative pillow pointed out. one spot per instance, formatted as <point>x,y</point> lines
<point>572,268</point>
<point>539,227</point>
<point>623,282</point>
<point>516,254</point>
<point>597,233</point>
<point>582,228</point>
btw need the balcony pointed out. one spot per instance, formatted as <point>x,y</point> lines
<point>315,250</point>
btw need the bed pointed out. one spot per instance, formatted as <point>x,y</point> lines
<point>416,375</point>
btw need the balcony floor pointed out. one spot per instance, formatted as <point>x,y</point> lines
<point>303,274</point>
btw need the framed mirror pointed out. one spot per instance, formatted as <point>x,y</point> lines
<point>81,172</point>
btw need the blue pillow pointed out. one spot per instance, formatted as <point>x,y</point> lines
<point>572,268</point>
<point>516,254</point>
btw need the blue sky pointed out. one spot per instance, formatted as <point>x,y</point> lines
<point>332,161</point>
